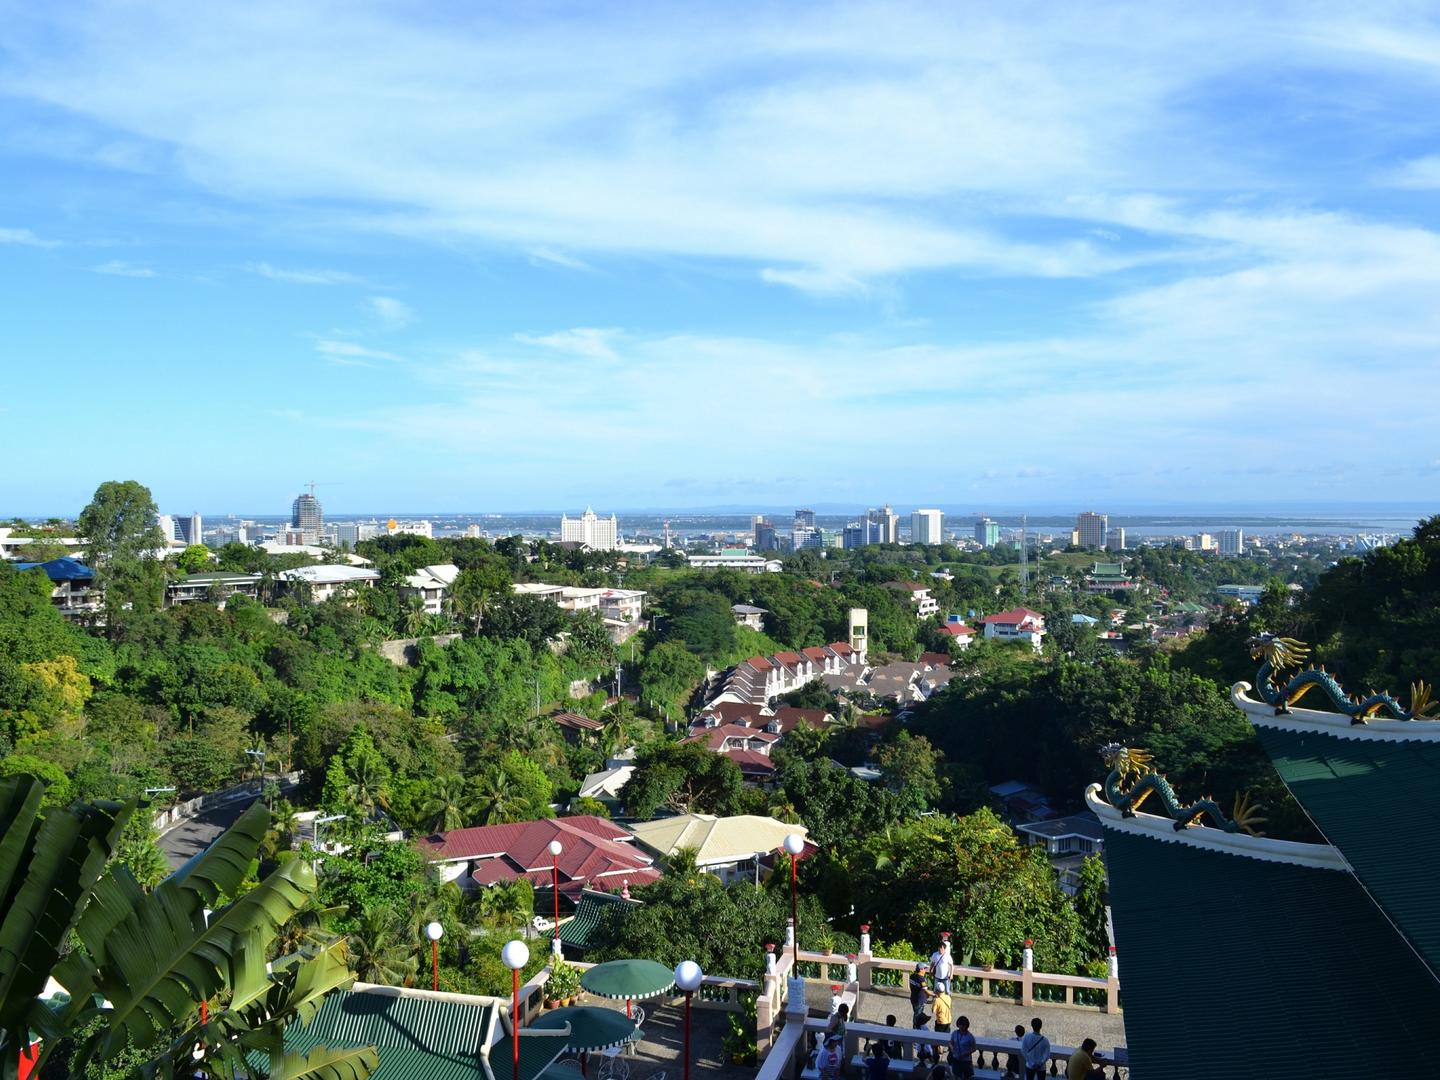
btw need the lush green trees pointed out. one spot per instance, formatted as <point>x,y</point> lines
<point>835,805</point>
<point>701,620</point>
<point>683,779</point>
<point>669,674</point>
<point>122,543</point>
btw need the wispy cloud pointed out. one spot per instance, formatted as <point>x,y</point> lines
<point>120,268</point>
<point>589,342</point>
<point>557,258</point>
<point>391,313</point>
<point>351,354</point>
<point>25,238</point>
<point>1423,172</point>
<point>306,276</point>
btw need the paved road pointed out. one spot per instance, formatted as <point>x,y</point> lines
<point>195,834</point>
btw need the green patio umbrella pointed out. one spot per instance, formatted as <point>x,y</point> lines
<point>628,980</point>
<point>592,1028</point>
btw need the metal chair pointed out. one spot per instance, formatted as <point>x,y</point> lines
<point>612,1065</point>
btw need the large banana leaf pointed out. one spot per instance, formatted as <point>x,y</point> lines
<point>159,963</point>
<point>219,869</point>
<point>325,1063</point>
<point>47,872</point>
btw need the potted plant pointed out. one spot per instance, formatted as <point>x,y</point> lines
<point>564,982</point>
<point>985,958</point>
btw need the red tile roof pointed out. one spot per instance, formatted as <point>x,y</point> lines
<point>752,761</point>
<point>816,653</point>
<point>759,663</point>
<point>592,848</point>
<point>714,738</point>
<point>955,629</point>
<point>913,586</point>
<point>789,718</point>
<point>738,712</point>
<point>840,647</point>
<point>935,659</point>
<point>788,657</point>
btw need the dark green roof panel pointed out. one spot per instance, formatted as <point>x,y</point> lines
<point>1378,801</point>
<point>1234,966</point>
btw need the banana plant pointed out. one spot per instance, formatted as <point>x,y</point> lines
<point>141,963</point>
<point>48,869</point>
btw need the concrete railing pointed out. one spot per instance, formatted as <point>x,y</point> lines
<point>250,790</point>
<point>789,1057</point>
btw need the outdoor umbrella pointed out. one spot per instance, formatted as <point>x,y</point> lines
<point>592,1028</point>
<point>628,980</point>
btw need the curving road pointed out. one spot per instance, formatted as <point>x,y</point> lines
<point>191,835</point>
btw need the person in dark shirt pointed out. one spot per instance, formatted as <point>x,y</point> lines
<point>919,992</point>
<point>1014,1063</point>
<point>877,1062</point>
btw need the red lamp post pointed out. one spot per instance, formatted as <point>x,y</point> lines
<point>515,955</point>
<point>555,849</point>
<point>794,845</point>
<point>434,931</point>
<point>688,977</point>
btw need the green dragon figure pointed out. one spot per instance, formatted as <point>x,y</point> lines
<point>1279,653</point>
<point>1132,780</point>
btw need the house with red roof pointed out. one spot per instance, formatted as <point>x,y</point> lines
<point>1017,624</point>
<point>760,679</point>
<point>595,854</point>
<point>959,633</point>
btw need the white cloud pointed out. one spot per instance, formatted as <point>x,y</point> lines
<point>25,238</point>
<point>309,276</point>
<point>1423,172</point>
<point>589,342</point>
<point>120,268</point>
<point>826,148</point>
<point>392,313</point>
<point>351,354</point>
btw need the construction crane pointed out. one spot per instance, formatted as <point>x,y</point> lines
<point>313,484</point>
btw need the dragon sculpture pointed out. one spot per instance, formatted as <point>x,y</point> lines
<point>1279,654</point>
<point>1132,780</point>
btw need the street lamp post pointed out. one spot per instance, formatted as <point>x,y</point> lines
<point>515,955</point>
<point>688,977</point>
<point>555,848</point>
<point>324,820</point>
<point>434,931</point>
<point>259,756</point>
<point>794,845</point>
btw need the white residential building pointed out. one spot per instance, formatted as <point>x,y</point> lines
<point>431,584</point>
<point>323,582</point>
<point>925,604</point>
<point>1232,541</point>
<point>1018,624</point>
<point>927,527</point>
<point>352,532</point>
<point>1115,539</point>
<point>415,528</point>
<point>751,564</point>
<point>590,531</point>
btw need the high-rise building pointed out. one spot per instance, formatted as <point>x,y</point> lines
<point>307,516</point>
<point>854,535</point>
<point>1091,528</point>
<point>859,638</point>
<point>1202,542</point>
<point>987,532</point>
<point>1115,539</point>
<point>805,537</point>
<point>804,519</point>
<point>1232,541</point>
<point>765,539</point>
<point>590,531</point>
<point>884,525</point>
<point>927,527</point>
<point>472,532</point>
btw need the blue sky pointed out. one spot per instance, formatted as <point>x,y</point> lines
<point>449,256</point>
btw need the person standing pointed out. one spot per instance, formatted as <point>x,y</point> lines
<point>918,991</point>
<point>941,968</point>
<point>940,1002</point>
<point>962,1049</point>
<point>877,1062</point>
<point>1015,1061</point>
<point>1035,1049</point>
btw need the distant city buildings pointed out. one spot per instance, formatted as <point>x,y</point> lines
<point>765,537</point>
<point>181,530</point>
<point>1115,539</point>
<point>1201,542</point>
<point>352,532</point>
<point>804,519</point>
<point>414,528</point>
<point>927,527</point>
<point>729,560</point>
<point>1232,541</point>
<point>307,517</point>
<point>883,526</point>
<point>987,532</point>
<point>316,584</point>
<point>590,531</point>
<point>1091,528</point>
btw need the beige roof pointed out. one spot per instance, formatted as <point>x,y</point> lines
<point>715,839</point>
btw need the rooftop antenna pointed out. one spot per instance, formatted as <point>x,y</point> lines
<point>1024,559</point>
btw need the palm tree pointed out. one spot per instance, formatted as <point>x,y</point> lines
<point>380,950</point>
<point>305,933</point>
<point>449,806</point>
<point>367,786</point>
<point>493,800</point>
<point>415,616</point>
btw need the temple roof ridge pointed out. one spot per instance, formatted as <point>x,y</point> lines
<point>1263,714</point>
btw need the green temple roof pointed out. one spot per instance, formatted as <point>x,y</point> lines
<point>1373,790</point>
<point>420,1037</point>
<point>1249,957</point>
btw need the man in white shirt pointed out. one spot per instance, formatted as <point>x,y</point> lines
<point>941,968</point>
<point>1035,1049</point>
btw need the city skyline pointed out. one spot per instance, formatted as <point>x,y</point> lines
<point>453,260</point>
